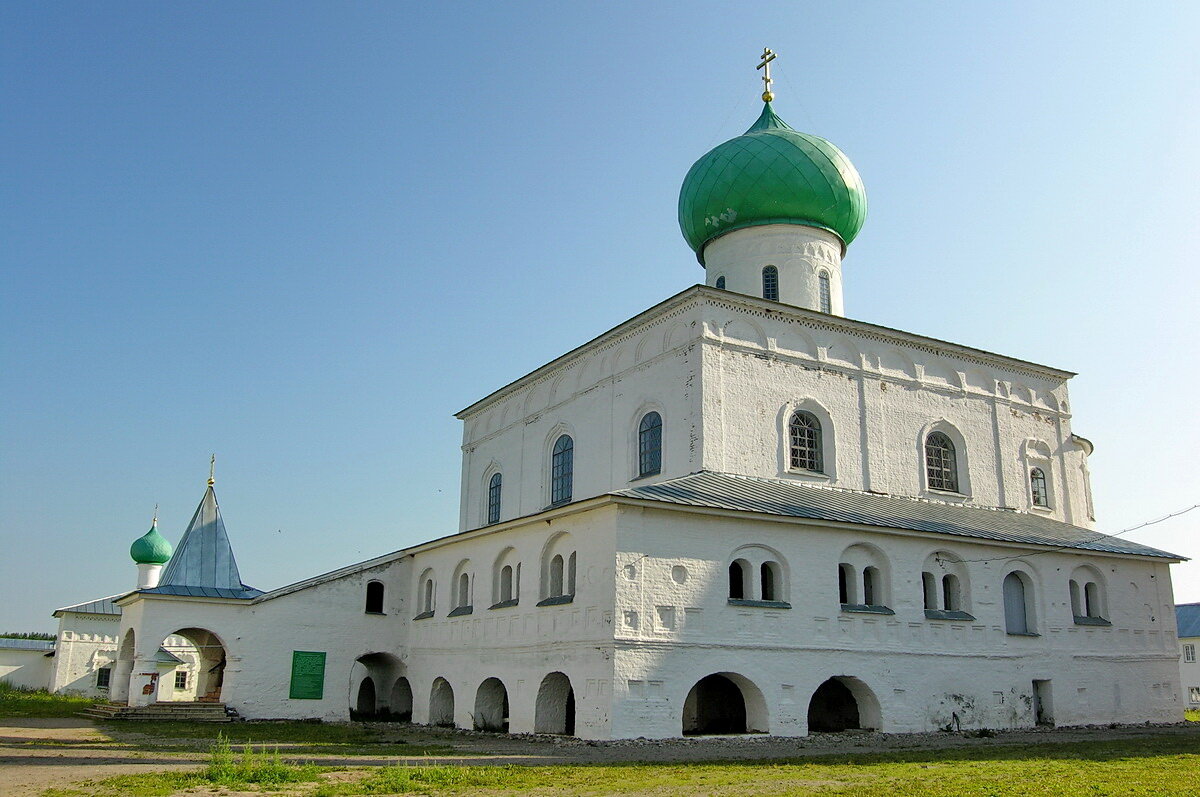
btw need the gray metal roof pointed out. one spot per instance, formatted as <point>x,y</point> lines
<point>791,499</point>
<point>203,563</point>
<point>1187,617</point>
<point>98,606</point>
<point>27,644</point>
<point>203,592</point>
<point>165,656</point>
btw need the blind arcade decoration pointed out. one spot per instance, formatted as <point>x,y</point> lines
<point>308,675</point>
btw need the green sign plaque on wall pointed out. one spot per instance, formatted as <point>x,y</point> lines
<point>308,675</point>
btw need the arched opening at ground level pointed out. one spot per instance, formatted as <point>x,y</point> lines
<point>843,703</point>
<point>491,706</point>
<point>724,703</point>
<point>441,703</point>
<point>366,697</point>
<point>372,689</point>
<point>191,666</point>
<point>554,711</point>
<point>401,701</point>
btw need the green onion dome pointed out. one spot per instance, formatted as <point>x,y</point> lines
<point>771,174</point>
<point>151,548</point>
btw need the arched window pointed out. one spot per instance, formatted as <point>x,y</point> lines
<point>556,576</point>
<point>720,283</point>
<point>427,603</point>
<point>845,584</point>
<point>558,565</point>
<point>1076,599</point>
<point>823,290</point>
<point>1016,608</point>
<point>804,433</point>
<point>650,444</point>
<point>941,466</point>
<point>769,589</point>
<point>493,504</point>
<point>464,591</point>
<point>562,466</point>
<point>506,583</point>
<point>506,579</point>
<point>951,593</point>
<point>770,279</point>
<point>929,590</point>
<point>1091,600</point>
<point>737,581</point>
<point>1037,485</point>
<point>871,596</point>
<point>374,597</point>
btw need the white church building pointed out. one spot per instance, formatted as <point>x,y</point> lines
<point>737,511</point>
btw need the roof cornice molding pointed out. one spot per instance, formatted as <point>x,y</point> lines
<point>657,314</point>
<point>878,333</point>
<point>702,295</point>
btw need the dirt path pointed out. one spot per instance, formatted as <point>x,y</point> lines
<point>36,754</point>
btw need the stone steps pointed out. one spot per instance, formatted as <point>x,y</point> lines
<point>170,712</point>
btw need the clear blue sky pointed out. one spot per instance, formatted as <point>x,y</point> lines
<point>303,235</point>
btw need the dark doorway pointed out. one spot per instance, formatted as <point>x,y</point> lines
<point>1043,711</point>
<point>554,711</point>
<point>832,708</point>
<point>715,705</point>
<point>365,704</point>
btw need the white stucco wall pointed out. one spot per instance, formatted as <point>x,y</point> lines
<point>726,372</point>
<point>1189,673</point>
<point>27,669</point>
<point>675,626</point>
<point>86,643</point>
<point>598,397</point>
<point>800,254</point>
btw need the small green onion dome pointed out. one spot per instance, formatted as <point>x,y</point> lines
<point>771,174</point>
<point>151,548</point>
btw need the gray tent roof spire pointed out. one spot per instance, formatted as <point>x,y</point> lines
<point>203,564</point>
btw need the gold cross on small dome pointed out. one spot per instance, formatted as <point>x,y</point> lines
<point>767,57</point>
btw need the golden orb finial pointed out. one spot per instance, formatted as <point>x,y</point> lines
<point>767,57</point>
<point>212,467</point>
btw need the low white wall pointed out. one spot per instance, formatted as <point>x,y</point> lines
<point>28,669</point>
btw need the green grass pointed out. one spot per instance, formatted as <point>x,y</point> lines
<point>252,769</point>
<point>18,702</point>
<point>1153,765</point>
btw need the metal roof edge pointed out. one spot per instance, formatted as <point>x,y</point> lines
<point>332,575</point>
<point>631,494</point>
<point>896,530</point>
<point>75,607</point>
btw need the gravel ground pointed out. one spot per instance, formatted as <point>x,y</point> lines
<point>36,754</point>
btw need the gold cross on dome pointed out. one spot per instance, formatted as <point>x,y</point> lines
<point>765,66</point>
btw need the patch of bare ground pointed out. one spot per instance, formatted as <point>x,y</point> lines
<point>37,754</point>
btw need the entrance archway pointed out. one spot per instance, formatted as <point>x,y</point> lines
<point>843,703</point>
<point>369,694</point>
<point>491,706</point>
<point>724,702</point>
<point>714,705</point>
<point>366,697</point>
<point>191,665</point>
<point>441,703</point>
<point>401,700</point>
<point>554,711</point>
